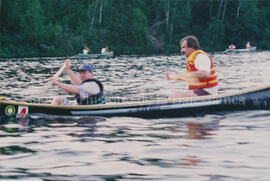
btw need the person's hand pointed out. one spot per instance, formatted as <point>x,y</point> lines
<point>168,75</point>
<point>171,76</point>
<point>53,80</point>
<point>67,62</point>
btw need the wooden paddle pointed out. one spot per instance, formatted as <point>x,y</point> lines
<point>85,46</point>
<point>56,75</point>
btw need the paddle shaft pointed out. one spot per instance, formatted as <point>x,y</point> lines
<point>56,75</point>
<point>85,47</point>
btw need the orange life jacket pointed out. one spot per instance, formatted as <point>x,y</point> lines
<point>208,82</point>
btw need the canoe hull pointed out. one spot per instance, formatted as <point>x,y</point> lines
<point>253,49</point>
<point>242,100</point>
<point>102,55</point>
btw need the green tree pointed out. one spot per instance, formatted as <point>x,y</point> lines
<point>62,28</point>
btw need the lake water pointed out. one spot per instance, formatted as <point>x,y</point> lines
<point>231,146</point>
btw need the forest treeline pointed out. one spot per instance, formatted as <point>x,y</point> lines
<point>34,28</point>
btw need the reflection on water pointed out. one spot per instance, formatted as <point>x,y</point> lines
<point>228,146</point>
<point>134,148</point>
<point>201,131</point>
<point>191,161</point>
